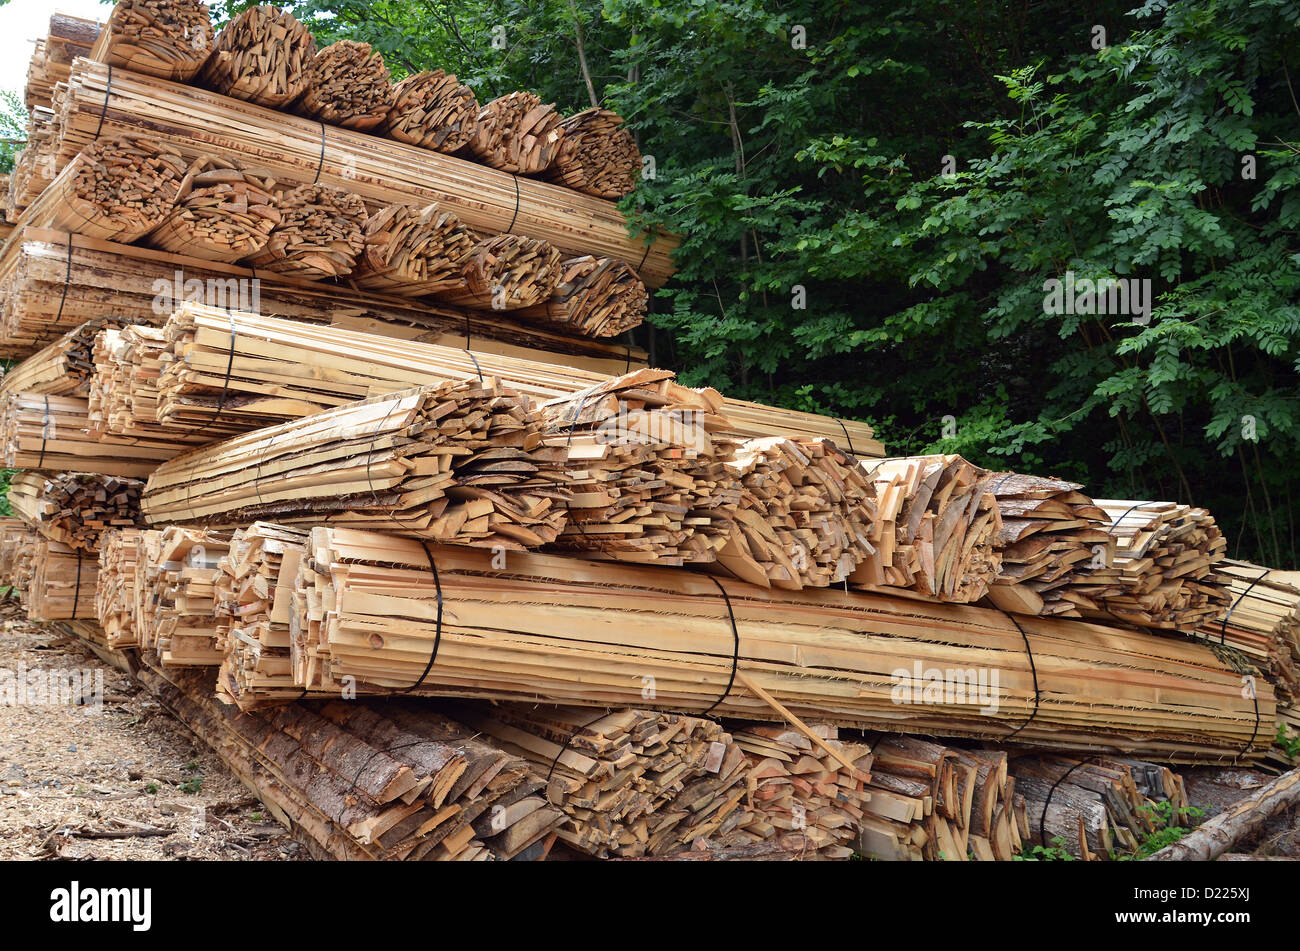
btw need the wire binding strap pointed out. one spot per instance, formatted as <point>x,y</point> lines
<point>847,436</point>
<point>646,256</point>
<point>76,594</point>
<point>1223,625</point>
<point>515,216</point>
<point>1033,669</point>
<point>320,164</point>
<point>1115,524</point>
<point>735,653</point>
<point>564,749</point>
<point>478,368</point>
<point>103,110</point>
<point>45,433</point>
<point>437,632</point>
<point>67,279</point>
<point>1042,820</point>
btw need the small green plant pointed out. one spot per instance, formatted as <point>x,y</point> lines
<point>192,786</point>
<point>1047,853</point>
<point>151,788</point>
<point>1168,828</point>
<point>256,817</point>
<point>1288,741</point>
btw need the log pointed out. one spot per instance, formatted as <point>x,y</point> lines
<point>319,235</point>
<point>1221,832</point>
<point>224,212</point>
<point>594,297</point>
<point>260,56</point>
<point>413,252</point>
<point>348,85</point>
<point>517,133</point>
<point>597,155</point>
<point>170,39</point>
<point>433,110</point>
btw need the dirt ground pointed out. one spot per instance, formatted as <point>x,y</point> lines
<point>126,782</point>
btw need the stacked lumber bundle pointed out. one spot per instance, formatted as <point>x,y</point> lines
<point>517,133</point>
<point>1051,535</point>
<point>266,384</point>
<point>197,122</point>
<point>433,110</point>
<point>48,288</point>
<point>63,582</point>
<point>348,85</point>
<point>594,297</point>
<point>506,272</point>
<point>805,515</point>
<point>117,189</point>
<point>177,615</point>
<point>52,432</point>
<point>798,787</point>
<point>36,165</point>
<point>544,627</point>
<point>170,39</point>
<point>450,463</point>
<point>935,529</point>
<point>643,476</point>
<point>261,56</point>
<point>224,211</point>
<point>64,368</point>
<point>356,782</point>
<point>75,509</point>
<point>69,37</point>
<point>120,553</point>
<point>18,542</point>
<point>597,155</point>
<point>1262,621</point>
<point>1098,807</point>
<point>319,234</point>
<point>630,783</point>
<point>413,252</point>
<point>1163,572</point>
<point>254,602</point>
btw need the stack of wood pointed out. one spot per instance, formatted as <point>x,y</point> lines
<point>1096,808</point>
<point>224,212</point>
<point>594,297</point>
<point>935,531</point>
<point>643,477</point>
<point>69,37</point>
<point>178,612</point>
<point>266,384</point>
<point>630,782</point>
<point>36,165</point>
<point>170,39</point>
<point>348,85</point>
<point>120,552</point>
<point>597,156</point>
<point>63,582</point>
<point>117,189</point>
<point>805,516</point>
<point>64,368</point>
<point>1262,621</point>
<point>254,595</point>
<point>801,787</point>
<point>523,626</point>
<point>48,289</point>
<point>1052,535</point>
<point>433,110</point>
<point>506,272</point>
<point>1162,575</point>
<point>52,432</point>
<point>75,509</point>
<point>450,462</point>
<point>517,133</point>
<point>260,56</point>
<point>371,782</point>
<point>413,252</point>
<point>18,542</point>
<point>319,234</point>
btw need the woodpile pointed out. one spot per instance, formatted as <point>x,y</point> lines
<point>517,133</point>
<point>935,529</point>
<point>413,252</point>
<point>1262,621</point>
<point>260,56</point>
<point>1098,807</point>
<point>75,509</point>
<point>177,612</point>
<point>224,212</point>
<point>630,782</point>
<point>63,581</point>
<point>931,802</point>
<point>64,368</point>
<point>170,39</point>
<point>52,432</point>
<point>433,110</point>
<point>450,463</point>
<point>544,627</point>
<point>197,122</point>
<point>1162,575</point>
<point>36,165</point>
<point>120,554</point>
<point>348,85</point>
<point>18,542</point>
<point>594,297</point>
<point>799,787</point>
<point>319,234</point>
<point>117,189</point>
<point>358,782</point>
<point>506,272</point>
<point>597,155</point>
<point>69,37</point>
<point>1051,535</point>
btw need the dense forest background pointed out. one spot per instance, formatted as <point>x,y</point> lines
<point>912,173</point>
